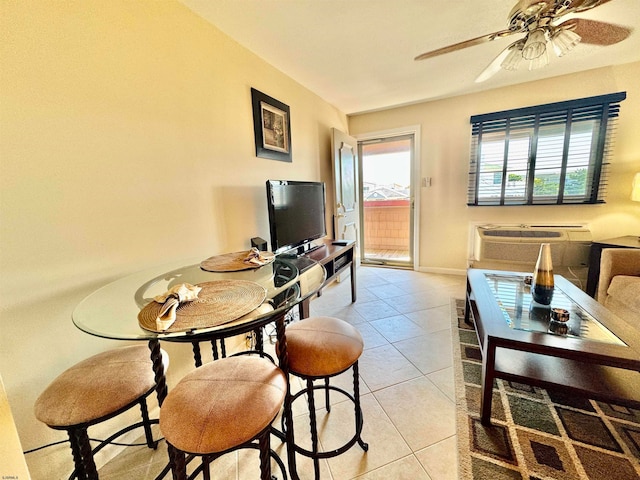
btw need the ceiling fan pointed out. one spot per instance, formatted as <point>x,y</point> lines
<point>537,20</point>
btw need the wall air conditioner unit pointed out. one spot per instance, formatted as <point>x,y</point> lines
<point>505,247</point>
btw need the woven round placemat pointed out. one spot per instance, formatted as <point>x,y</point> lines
<point>218,302</point>
<point>233,262</point>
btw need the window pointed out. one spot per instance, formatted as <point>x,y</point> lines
<point>550,154</point>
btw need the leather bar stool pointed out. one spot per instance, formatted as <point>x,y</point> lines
<point>94,390</point>
<point>220,407</point>
<point>320,348</point>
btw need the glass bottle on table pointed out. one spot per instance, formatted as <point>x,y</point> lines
<point>542,282</point>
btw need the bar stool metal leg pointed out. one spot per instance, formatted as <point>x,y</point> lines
<point>206,463</point>
<point>178,463</point>
<point>326,395</point>
<point>77,456</point>
<point>314,428</point>
<point>359,419</point>
<point>86,456</point>
<point>146,424</point>
<point>264,441</point>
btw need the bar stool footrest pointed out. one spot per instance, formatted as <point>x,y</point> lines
<point>350,443</point>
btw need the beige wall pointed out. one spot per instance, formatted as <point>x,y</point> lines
<point>444,216</point>
<point>126,139</point>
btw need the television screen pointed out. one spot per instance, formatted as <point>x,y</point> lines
<point>296,213</point>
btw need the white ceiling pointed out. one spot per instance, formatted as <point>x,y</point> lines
<point>358,54</point>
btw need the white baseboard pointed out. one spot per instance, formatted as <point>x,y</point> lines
<point>443,271</point>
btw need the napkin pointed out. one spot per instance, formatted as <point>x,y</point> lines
<point>256,258</point>
<point>171,300</point>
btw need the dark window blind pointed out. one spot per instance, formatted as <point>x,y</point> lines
<point>551,154</point>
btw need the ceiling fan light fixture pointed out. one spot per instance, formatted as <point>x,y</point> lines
<point>540,61</point>
<point>564,40</point>
<point>536,44</point>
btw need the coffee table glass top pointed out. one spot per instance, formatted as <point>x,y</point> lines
<point>521,313</point>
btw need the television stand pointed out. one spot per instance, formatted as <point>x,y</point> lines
<point>335,259</point>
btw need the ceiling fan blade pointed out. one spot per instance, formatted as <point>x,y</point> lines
<point>496,64</point>
<point>584,5</point>
<point>493,67</point>
<point>465,44</point>
<point>597,33</point>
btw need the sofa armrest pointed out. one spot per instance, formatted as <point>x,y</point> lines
<point>616,261</point>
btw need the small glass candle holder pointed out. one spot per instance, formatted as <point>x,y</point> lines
<point>559,315</point>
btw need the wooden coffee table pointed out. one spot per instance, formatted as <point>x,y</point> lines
<point>598,356</point>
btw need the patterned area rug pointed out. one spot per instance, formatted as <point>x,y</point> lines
<point>536,434</point>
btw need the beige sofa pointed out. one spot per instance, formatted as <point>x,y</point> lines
<point>619,283</point>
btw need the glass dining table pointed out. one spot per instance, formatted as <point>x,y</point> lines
<point>113,310</point>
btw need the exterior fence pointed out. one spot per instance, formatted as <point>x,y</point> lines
<point>386,224</point>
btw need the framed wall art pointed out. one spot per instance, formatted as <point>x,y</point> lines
<point>271,126</point>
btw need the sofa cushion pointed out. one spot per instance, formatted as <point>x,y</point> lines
<point>623,298</point>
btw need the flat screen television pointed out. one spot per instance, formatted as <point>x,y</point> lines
<point>296,214</point>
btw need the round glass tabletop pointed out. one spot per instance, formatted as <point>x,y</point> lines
<point>112,311</point>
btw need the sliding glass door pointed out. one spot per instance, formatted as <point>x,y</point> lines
<point>387,200</point>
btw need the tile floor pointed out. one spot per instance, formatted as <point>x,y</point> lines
<point>406,383</point>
